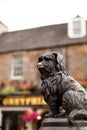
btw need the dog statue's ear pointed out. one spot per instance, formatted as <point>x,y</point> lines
<point>58,57</point>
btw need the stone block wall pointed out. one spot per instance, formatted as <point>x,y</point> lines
<point>75,59</point>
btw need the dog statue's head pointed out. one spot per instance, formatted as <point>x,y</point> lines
<point>50,63</point>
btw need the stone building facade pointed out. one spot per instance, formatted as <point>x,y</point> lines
<point>19,52</point>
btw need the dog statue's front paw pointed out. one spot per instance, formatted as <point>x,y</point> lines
<point>49,114</point>
<point>58,115</point>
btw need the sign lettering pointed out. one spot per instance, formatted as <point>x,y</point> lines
<point>16,101</point>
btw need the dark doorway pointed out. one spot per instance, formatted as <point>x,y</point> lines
<point>12,120</point>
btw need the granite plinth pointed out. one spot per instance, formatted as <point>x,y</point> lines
<point>62,124</point>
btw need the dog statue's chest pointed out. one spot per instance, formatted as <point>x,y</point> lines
<point>50,85</point>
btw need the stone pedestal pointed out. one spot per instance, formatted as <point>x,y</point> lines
<point>61,124</point>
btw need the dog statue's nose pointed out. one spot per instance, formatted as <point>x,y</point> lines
<point>39,65</point>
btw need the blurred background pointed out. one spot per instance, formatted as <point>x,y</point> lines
<point>27,30</point>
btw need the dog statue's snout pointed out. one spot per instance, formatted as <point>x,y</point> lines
<point>39,65</point>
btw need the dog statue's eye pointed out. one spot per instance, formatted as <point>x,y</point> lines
<point>47,58</point>
<point>40,59</point>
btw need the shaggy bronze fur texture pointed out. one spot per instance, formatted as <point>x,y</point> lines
<point>59,89</point>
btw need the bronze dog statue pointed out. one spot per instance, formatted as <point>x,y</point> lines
<point>60,89</point>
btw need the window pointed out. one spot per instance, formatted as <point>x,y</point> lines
<point>16,67</point>
<point>77,27</point>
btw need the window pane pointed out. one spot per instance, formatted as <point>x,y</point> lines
<point>17,65</point>
<point>77,27</point>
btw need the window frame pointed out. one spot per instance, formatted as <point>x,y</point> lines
<point>82,27</point>
<point>15,65</point>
